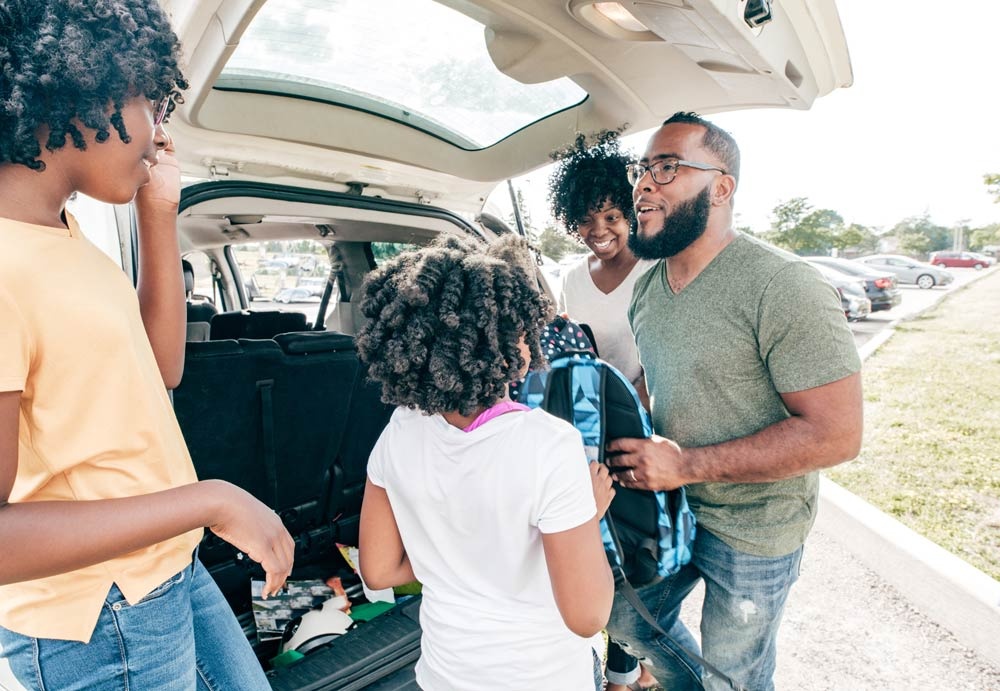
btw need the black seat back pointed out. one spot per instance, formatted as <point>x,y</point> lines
<point>367,418</point>
<point>255,325</point>
<point>292,420</point>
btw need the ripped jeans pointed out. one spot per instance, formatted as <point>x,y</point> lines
<point>744,600</point>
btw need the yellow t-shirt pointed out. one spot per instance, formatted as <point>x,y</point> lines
<point>95,420</point>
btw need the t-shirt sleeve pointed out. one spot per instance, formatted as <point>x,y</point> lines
<point>565,492</point>
<point>376,461</point>
<point>15,345</point>
<point>802,332</point>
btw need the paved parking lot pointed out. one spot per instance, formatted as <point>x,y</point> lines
<point>914,301</point>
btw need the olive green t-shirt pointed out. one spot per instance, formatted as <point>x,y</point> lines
<point>755,323</point>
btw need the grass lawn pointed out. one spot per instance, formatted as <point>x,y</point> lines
<point>931,452</point>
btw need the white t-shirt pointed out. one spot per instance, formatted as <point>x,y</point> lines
<point>471,509</point>
<point>606,314</point>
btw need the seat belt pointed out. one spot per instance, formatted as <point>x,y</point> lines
<point>266,389</point>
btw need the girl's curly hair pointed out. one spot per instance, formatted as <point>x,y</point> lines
<point>445,322</point>
<point>585,176</point>
<point>62,60</point>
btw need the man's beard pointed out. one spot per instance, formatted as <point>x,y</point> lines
<point>682,227</point>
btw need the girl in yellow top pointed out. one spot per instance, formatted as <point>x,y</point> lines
<point>100,509</point>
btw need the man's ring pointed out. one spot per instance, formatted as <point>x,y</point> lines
<point>631,475</point>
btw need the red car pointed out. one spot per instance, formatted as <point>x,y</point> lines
<point>959,259</point>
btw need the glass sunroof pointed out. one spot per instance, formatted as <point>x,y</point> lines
<point>414,61</point>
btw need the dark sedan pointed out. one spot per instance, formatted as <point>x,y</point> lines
<point>881,287</point>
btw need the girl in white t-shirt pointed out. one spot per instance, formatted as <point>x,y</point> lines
<point>490,506</point>
<point>590,195</point>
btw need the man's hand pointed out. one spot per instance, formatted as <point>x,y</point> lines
<point>652,464</point>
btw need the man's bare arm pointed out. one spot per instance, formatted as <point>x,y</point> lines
<point>824,429</point>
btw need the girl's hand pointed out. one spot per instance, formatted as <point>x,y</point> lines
<point>164,188</point>
<point>254,529</point>
<point>603,491</point>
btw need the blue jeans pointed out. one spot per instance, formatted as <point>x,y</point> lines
<point>181,637</point>
<point>744,600</point>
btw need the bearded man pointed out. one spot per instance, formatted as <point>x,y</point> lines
<point>754,383</point>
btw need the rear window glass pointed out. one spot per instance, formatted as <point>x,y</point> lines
<point>414,61</point>
<point>383,251</point>
<point>287,275</point>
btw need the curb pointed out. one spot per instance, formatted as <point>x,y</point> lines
<point>949,590</point>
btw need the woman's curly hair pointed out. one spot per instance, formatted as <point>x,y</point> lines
<point>445,322</point>
<point>585,176</point>
<point>62,60</point>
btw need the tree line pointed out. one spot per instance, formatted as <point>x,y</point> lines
<point>803,229</point>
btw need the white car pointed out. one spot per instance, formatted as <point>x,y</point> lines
<point>368,126</point>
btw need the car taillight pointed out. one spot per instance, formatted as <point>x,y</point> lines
<point>883,283</point>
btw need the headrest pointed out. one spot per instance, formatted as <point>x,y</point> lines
<point>188,276</point>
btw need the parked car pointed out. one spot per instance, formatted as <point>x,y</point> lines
<point>851,289</point>
<point>907,270</point>
<point>960,260</point>
<point>881,287</point>
<point>989,259</point>
<point>289,295</point>
<point>369,125</point>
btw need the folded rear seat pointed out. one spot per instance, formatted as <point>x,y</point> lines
<point>367,418</point>
<point>293,420</point>
<point>269,416</point>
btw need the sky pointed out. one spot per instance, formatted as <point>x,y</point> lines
<point>914,134</point>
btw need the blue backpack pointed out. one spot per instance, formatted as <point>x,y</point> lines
<point>647,535</point>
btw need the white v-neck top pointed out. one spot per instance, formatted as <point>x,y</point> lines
<point>606,314</point>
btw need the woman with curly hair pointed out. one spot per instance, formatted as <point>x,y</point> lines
<point>100,508</point>
<point>487,504</point>
<point>590,196</point>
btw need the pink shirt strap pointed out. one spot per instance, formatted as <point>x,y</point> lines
<point>495,411</point>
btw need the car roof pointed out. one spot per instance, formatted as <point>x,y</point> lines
<point>852,267</point>
<point>438,100</point>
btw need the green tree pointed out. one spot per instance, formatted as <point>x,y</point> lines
<point>919,236</point>
<point>798,227</point>
<point>985,237</point>
<point>857,239</point>
<point>992,181</point>
<point>555,244</point>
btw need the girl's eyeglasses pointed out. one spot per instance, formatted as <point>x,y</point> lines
<point>161,110</point>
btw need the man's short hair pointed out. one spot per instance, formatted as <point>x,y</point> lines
<point>716,140</point>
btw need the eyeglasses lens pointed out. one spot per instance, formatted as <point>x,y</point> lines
<point>160,114</point>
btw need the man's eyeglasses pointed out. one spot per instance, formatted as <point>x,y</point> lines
<point>161,109</point>
<point>665,171</point>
